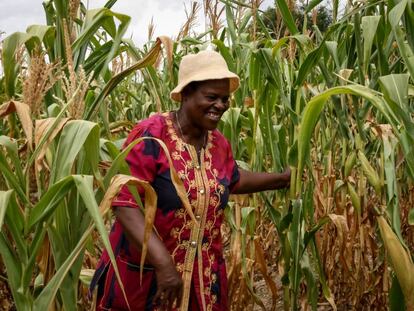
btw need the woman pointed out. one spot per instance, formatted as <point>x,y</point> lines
<point>185,266</point>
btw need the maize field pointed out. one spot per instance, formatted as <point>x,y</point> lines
<point>335,105</point>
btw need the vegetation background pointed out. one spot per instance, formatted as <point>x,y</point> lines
<point>329,95</point>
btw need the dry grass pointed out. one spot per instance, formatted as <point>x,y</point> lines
<point>213,11</point>
<point>151,29</point>
<point>191,20</point>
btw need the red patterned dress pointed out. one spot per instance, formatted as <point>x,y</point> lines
<point>208,179</point>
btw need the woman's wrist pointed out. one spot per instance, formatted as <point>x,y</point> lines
<point>159,257</point>
<point>284,179</point>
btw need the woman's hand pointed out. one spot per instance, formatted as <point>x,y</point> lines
<point>285,178</point>
<point>169,282</point>
<point>169,287</point>
<point>256,181</point>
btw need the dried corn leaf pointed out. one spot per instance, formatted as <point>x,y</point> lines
<point>41,128</point>
<point>150,207</point>
<point>168,46</point>
<point>344,74</point>
<point>178,184</point>
<point>341,227</point>
<point>23,111</point>
<point>262,266</point>
<point>45,261</point>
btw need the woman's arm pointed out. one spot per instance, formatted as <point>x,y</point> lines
<point>169,282</point>
<point>257,181</point>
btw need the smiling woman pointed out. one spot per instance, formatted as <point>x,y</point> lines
<point>185,267</point>
<point>203,104</point>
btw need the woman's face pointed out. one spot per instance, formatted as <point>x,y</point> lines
<point>205,104</point>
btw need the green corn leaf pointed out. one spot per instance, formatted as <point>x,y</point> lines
<point>313,109</point>
<point>76,134</point>
<point>4,203</point>
<point>396,296</point>
<point>50,200</point>
<point>84,185</point>
<point>45,299</point>
<point>46,34</point>
<point>245,22</point>
<point>356,202</point>
<point>12,259</point>
<point>148,60</point>
<point>14,273</point>
<point>102,17</point>
<point>287,16</point>
<point>400,259</point>
<point>370,172</point>
<point>332,47</point>
<point>312,59</point>
<point>349,163</point>
<point>225,52</point>
<point>12,151</point>
<point>296,236</point>
<point>255,72</point>
<point>231,27</point>
<point>12,181</point>
<point>335,7</point>
<point>272,67</point>
<point>312,4</point>
<point>10,68</point>
<point>369,30</point>
<point>395,88</point>
<point>311,281</point>
<point>394,17</point>
<point>390,145</point>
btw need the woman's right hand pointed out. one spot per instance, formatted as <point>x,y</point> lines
<point>169,282</point>
<point>169,286</point>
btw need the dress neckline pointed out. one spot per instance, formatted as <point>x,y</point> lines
<point>178,136</point>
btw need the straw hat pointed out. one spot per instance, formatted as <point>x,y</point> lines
<point>205,65</point>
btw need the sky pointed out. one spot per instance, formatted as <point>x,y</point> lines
<point>168,15</point>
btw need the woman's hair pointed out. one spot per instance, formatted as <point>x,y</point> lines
<point>190,88</point>
<point>194,85</point>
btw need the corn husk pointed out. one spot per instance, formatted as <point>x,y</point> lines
<point>400,260</point>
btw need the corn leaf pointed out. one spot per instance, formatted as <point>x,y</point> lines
<point>23,111</point>
<point>400,259</point>
<point>148,60</point>
<point>369,30</point>
<point>314,108</point>
<point>394,17</point>
<point>76,134</point>
<point>287,16</point>
<point>10,46</point>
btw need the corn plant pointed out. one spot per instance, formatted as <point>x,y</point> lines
<point>53,183</point>
<point>336,107</point>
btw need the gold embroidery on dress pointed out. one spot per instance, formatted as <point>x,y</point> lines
<point>204,179</point>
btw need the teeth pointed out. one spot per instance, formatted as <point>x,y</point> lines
<point>213,115</point>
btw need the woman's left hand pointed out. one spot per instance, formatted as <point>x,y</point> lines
<point>255,181</point>
<point>285,176</point>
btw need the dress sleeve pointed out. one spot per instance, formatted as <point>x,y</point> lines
<point>142,162</point>
<point>233,169</point>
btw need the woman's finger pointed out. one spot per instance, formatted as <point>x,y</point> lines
<point>179,296</point>
<point>158,298</point>
<point>170,300</point>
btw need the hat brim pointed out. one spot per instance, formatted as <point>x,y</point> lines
<point>213,75</point>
